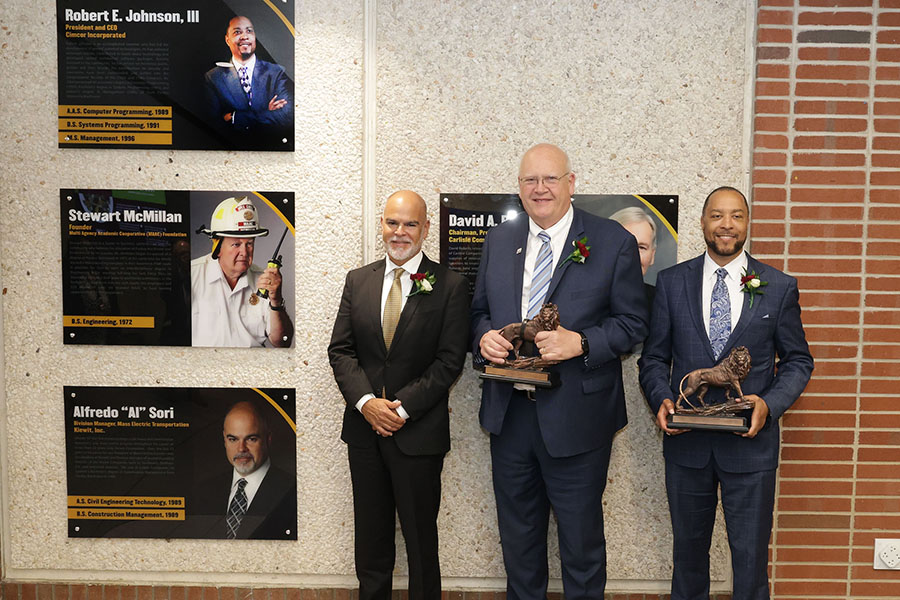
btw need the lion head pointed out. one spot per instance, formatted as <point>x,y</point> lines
<point>739,362</point>
<point>548,317</point>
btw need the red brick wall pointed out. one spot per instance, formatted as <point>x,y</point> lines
<point>826,208</point>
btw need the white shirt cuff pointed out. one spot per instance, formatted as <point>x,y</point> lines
<point>362,401</point>
<point>402,412</point>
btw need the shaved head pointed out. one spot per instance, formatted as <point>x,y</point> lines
<point>404,225</point>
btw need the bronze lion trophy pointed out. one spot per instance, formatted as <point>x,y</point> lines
<point>728,374</point>
<point>526,369</point>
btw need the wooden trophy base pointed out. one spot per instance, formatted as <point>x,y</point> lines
<point>734,423</point>
<point>537,378</point>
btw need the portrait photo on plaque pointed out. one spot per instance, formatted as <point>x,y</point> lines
<point>651,218</point>
<point>206,75</point>
<point>157,462</point>
<point>178,268</point>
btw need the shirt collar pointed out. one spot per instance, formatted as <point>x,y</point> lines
<point>253,479</point>
<point>410,266</point>
<point>250,64</point>
<point>734,268</point>
<point>561,227</point>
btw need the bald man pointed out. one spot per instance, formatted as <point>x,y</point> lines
<point>398,344</point>
<point>254,499</point>
<point>550,447</point>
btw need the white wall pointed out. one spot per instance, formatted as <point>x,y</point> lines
<point>647,97</point>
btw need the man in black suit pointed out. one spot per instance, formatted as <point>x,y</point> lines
<point>398,344</point>
<point>255,500</point>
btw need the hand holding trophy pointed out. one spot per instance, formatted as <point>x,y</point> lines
<point>728,374</point>
<point>526,369</point>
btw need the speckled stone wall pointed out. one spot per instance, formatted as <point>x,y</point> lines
<point>647,97</point>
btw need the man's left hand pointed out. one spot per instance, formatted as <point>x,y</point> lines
<point>271,280</point>
<point>758,418</point>
<point>275,103</point>
<point>559,344</point>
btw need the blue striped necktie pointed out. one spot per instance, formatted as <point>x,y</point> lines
<point>540,279</point>
<point>719,314</point>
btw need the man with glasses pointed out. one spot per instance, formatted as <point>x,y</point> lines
<point>550,447</point>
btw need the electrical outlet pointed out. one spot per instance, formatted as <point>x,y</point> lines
<point>887,554</point>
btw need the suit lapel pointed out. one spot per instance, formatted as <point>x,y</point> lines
<point>747,312</point>
<point>236,89</point>
<point>412,302</point>
<point>520,245</point>
<point>371,288</point>
<point>576,232</point>
<point>694,292</point>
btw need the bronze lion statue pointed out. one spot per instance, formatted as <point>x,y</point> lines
<point>729,374</point>
<point>547,319</point>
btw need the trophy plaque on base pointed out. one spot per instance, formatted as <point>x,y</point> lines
<point>527,369</point>
<point>536,377</point>
<point>728,373</point>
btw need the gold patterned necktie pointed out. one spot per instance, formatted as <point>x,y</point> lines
<point>392,309</point>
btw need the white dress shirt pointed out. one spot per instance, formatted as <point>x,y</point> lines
<point>558,233</point>
<point>221,316</point>
<point>254,480</point>
<point>735,270</point>
<point>406,284</point>
<point>250,64</point>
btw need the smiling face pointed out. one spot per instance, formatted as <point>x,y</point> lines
<point>404,225</point>
<point>241,38</point>
<point>235,257</point>
<point>546,202</point>
<point>246,438</point>
<point>724,223</point>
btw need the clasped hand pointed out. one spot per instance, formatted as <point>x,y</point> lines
<point>381,414</point>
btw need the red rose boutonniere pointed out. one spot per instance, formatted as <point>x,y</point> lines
<point>751,284</point>
<point>581,251</point>
<point>424,283</point>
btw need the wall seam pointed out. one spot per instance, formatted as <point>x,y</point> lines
<point>370,9</point>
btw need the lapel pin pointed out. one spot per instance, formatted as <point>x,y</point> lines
<point>518,251</point>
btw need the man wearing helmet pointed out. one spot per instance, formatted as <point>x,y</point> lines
<point>226,309</point>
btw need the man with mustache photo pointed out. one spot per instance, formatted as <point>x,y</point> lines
<point>254,499</point>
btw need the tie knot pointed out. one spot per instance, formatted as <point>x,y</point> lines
<point>398,272</point>
<point>721,273</point>
<point>544,236</point>
<point>243,70</point>
<point>242,483</point>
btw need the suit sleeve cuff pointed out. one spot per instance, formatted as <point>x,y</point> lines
<point>362,401</point>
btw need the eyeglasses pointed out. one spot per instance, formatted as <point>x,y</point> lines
<point>547,180</point>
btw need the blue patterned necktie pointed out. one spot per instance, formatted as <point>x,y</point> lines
<point>245,83</point>
<point>236,510</point>
<point>719,314</point>
<point>540,279</point>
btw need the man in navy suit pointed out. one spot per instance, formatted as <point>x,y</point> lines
<point>689,329</point>
<point>250,101</point>
<point>551,447</point>
<point>398,344</point>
